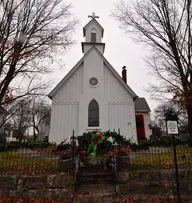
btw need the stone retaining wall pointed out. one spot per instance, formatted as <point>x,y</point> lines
<point>59,185</point>
<point>152,183</point>
<point>155,183</point>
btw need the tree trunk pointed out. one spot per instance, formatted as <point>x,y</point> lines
<point>34,134</point>
<point>189,112</point>
<point>11,71</point>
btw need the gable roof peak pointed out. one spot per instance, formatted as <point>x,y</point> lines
<point>109,66</point>
<point>93,20</point>
<point>141,105</point>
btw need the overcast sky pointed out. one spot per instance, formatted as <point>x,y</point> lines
<point>120,50</point>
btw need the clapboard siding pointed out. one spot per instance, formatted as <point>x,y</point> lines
<point>70,103</point>
<point>120,118</point>
<point>147,122</point>
<point>121,113</point>
<point>65,108</point>
<point>62,128</point>
<point>72,89</point>
<point>114,90</point>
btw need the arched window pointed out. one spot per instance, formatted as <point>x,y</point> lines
<point>93,114</point>
<point>93,35</point>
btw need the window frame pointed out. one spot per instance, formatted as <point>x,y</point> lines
<point>93,33</point>
<point>93,36</point>
<point>97,117</point>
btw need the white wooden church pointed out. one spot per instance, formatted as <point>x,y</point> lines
<point>93,96</point>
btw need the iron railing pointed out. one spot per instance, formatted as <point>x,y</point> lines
<point>48,160</point>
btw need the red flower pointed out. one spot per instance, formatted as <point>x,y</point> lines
<point>94,140</point>
<point>83,153</point>
<point>99,135</point>
<point>110,153</point>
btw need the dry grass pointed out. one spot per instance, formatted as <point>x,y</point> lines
<point>15,162</point>
<point>162,158</point>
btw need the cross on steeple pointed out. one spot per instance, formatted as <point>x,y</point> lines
<point>93,16</point>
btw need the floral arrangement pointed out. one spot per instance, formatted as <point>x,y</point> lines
<point>96,138</point>
<point>90,145</point>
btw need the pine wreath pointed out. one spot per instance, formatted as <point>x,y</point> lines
<point>139,123</point>
<point>91,144</point>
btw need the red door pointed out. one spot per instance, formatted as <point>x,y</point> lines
<point>140,125</point>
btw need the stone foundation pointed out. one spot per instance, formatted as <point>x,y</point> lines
<point>58,185</point>
<point>155,183</point>
<point>145,183</point>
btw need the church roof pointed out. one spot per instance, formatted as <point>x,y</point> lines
<point>114,72</point>
<point>141,105</point>
<point>91,21</point>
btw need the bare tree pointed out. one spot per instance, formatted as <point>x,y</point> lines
<point>21,119</point>
<point>41,115</point>
<point>30,32</point>
<point>165,26</point>
<point>29,113</point>
<point>28,93</point>
<point>167,110</point>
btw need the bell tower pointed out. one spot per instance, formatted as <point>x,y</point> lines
<point>93,33</point>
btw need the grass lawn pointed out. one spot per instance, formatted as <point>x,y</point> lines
<point>36,162</point>
<point>11,162</point>
<point>161,158</point>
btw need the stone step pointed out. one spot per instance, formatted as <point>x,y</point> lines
<point>87,180</point>
<point>96,187</point>
<point>96,173</point>
<point>97,198</point>
<point>96,179</point>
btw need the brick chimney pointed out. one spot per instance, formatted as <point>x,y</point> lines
<point>124,74</point>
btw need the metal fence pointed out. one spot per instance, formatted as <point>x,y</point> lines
<point>29,161</point>
<point>51,160</point>
<point>65,158</point>
<point>37,158</point>
<point>158,157</point>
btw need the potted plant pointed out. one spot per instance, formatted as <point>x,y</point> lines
<point>122,161</point>
<point>65,162</point>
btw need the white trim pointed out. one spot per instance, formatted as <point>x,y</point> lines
<point>66,103</point>
<point>108,65</point>
<point>85,27</point>
<point>120,103</point>
<point>93,86</point>
<point>94,128</point>
<point>88,113</point>
<point>142,111</point>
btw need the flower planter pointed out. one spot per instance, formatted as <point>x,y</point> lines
<point>122,161</point>
<point>65,165</point>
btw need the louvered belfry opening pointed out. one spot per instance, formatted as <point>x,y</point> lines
<point>93,114</point>
<point>93,35</point>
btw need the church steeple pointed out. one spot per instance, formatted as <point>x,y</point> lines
<point>93,33</point>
